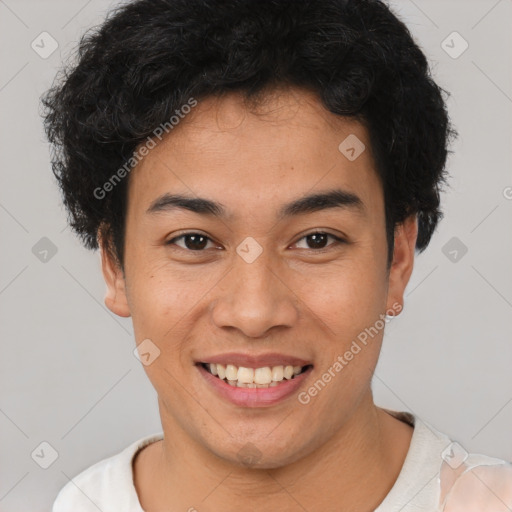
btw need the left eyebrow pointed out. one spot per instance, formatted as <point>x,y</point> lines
<point>337,198</point>
<point>323,201</point>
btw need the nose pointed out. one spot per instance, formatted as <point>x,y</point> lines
<point>254,298</point>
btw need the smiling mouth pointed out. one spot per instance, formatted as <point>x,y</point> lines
<point>265,377</point>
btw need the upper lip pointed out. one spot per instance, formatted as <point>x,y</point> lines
<point>255,361</point>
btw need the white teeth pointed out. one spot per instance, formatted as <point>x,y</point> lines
<point>262,375</point>
<point>277,373</point>
<point>231,372</point>
<point>288,372</point>
<point>246,375</point>
<point>253,377</point>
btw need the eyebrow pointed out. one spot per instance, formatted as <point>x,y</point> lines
<point>337,198</point>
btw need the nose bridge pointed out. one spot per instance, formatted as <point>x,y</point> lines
<point>253,298</point>
<point>254,278</point>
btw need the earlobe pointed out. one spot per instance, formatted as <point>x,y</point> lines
<point>403,262</point>
<point>115,297</point>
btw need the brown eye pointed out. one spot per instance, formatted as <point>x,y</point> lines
<point>318,240</point>
<point>191,241</point>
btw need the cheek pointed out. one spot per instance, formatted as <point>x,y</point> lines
<point>168,306</point>
<point>346,297</point>
<point>157,303</point>
<point>160,315</point>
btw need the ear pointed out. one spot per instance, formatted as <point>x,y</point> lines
<point>403,262</point>
<point>115,298</point>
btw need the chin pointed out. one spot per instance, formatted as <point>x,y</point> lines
<point>265,453</point>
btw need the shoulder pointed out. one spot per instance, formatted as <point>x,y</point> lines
<point>471,482</point>
<point>478,483</point>
<point>106,485</point>
<point>439,474</point>
<point>86,491</point>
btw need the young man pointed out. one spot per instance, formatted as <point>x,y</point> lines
<point>257,176</point>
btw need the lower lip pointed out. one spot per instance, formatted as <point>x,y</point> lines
<point>255,397</point>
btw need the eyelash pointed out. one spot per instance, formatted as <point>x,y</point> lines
<point>338,241</point>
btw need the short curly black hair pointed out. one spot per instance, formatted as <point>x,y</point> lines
<point>150,57</point>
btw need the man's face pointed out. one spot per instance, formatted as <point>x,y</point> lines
<point>256,282</point>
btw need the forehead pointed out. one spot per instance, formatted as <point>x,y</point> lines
<point>258,156</point>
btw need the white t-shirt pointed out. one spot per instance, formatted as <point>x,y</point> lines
<point>438,475</point>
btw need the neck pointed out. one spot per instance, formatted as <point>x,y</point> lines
<point>353,470</point>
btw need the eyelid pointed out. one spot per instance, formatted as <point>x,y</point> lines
<point>338,240</point>
<point>186,233</point>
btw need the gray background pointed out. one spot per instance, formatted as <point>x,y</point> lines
<point>68,373</point>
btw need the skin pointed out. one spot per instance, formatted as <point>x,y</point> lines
<point>338,452</point>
